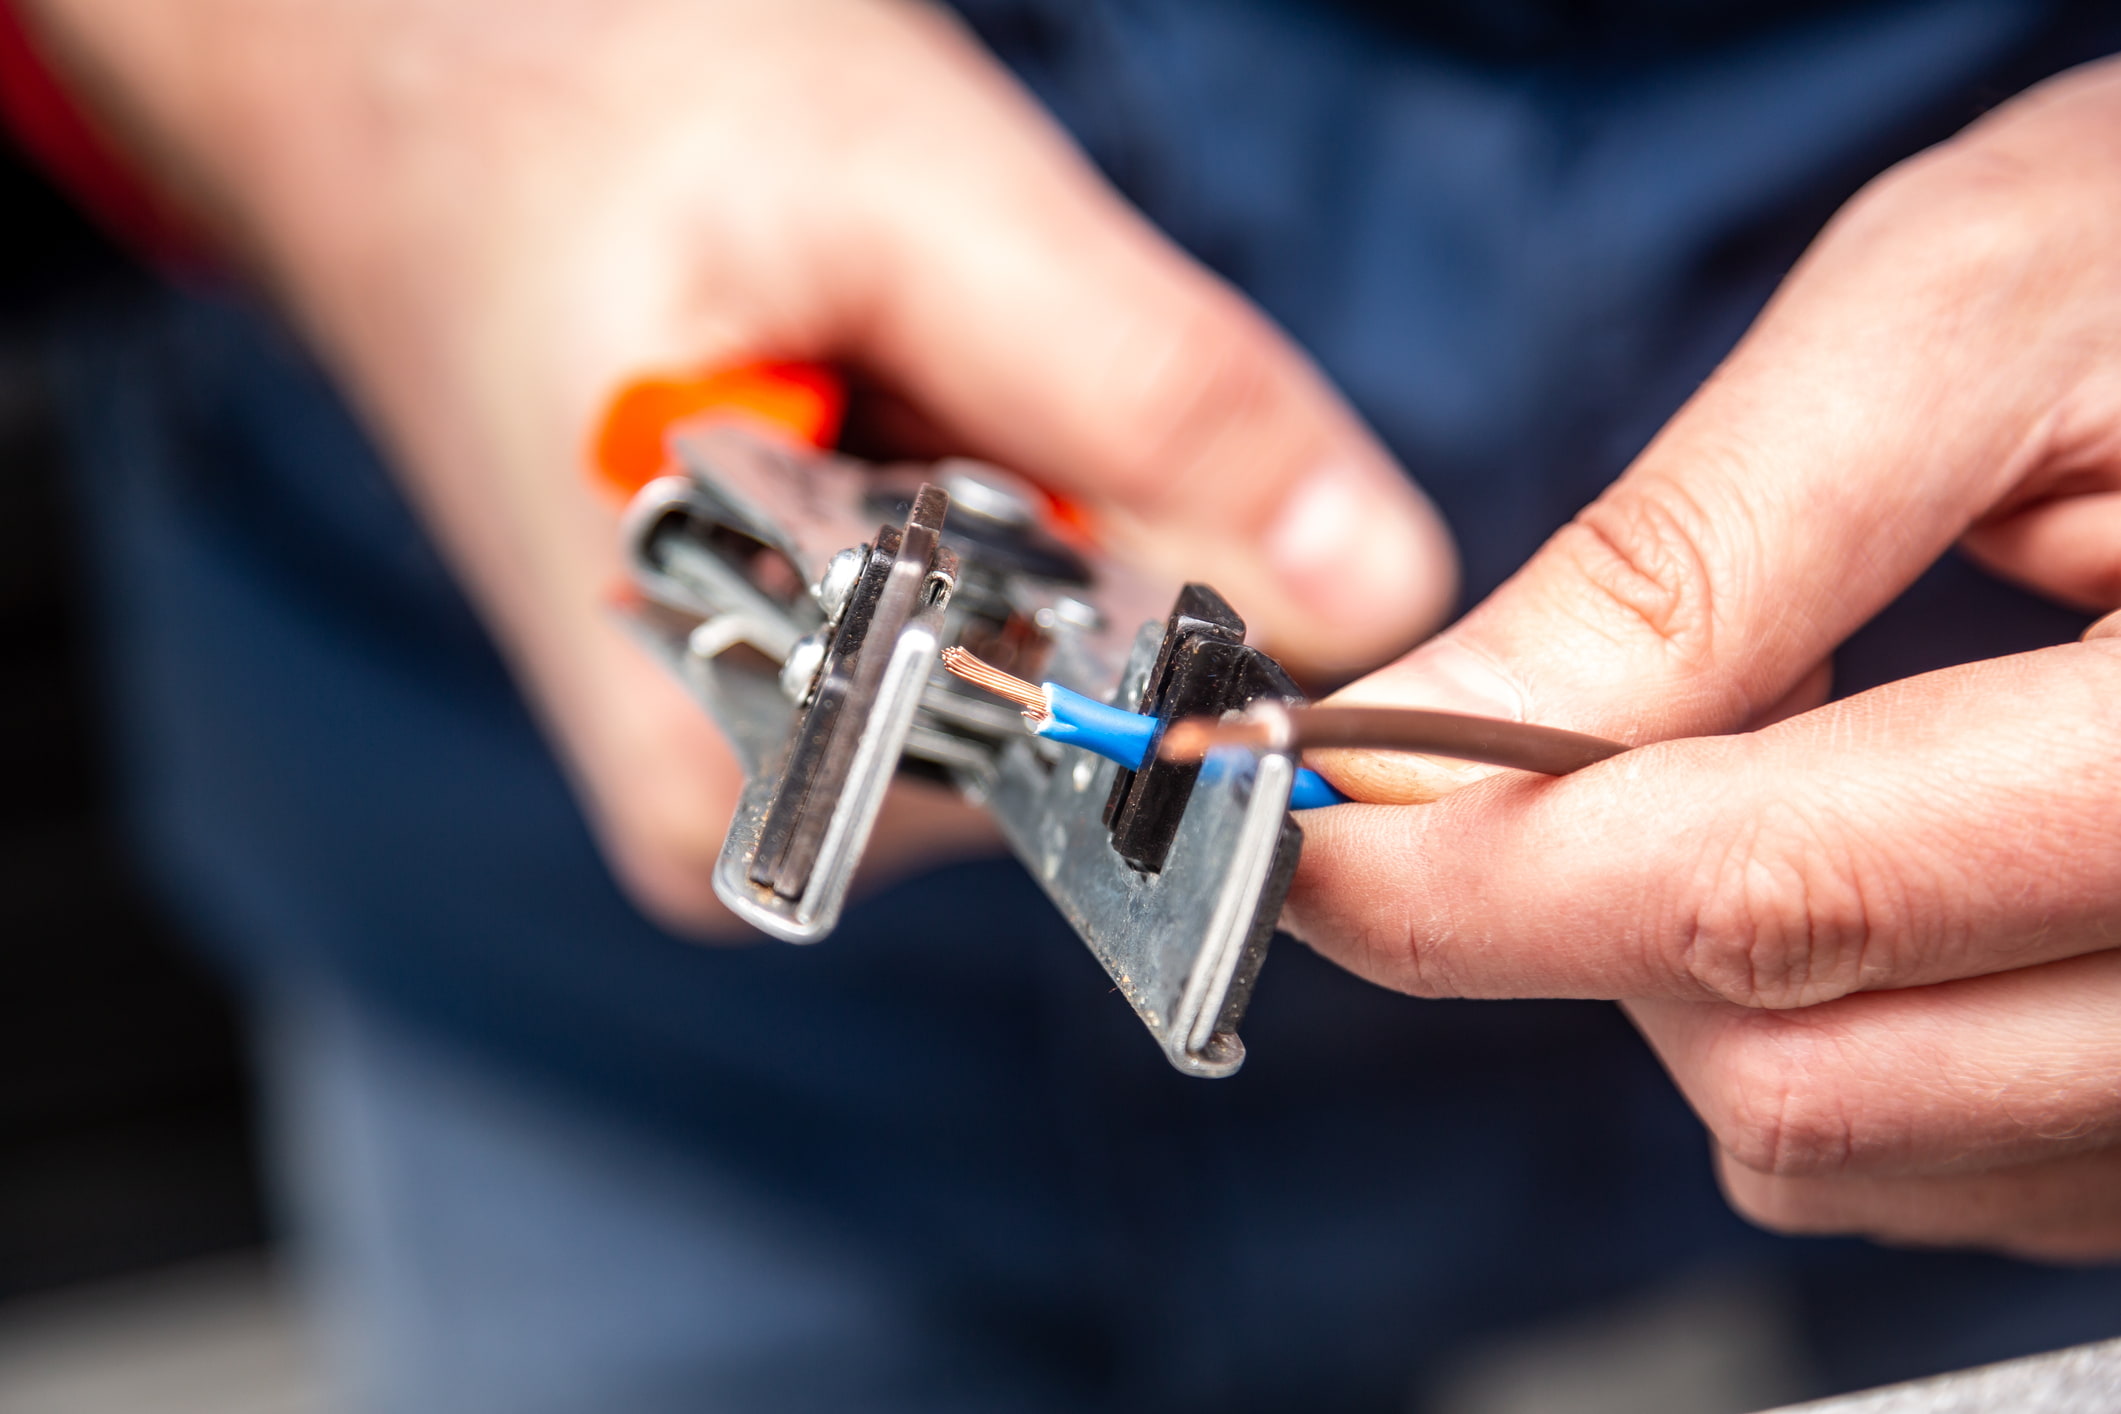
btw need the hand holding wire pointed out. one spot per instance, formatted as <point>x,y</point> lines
<point>1061,714</point>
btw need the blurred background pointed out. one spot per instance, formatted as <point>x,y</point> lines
<point>134,1237</point>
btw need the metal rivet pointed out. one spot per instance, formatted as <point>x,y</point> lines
<point>836,586</point>
<point>799,672</point>
<point>984,491</point>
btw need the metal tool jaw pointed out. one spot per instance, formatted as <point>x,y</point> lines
<point>804,599</point>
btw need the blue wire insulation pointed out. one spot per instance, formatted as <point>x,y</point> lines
<point>1112,732</point>
<point>1119,735</point>
<point>1309,791</point>
<point>1312,791</point>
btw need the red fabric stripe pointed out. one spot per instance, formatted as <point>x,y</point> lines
<point>54,131</point>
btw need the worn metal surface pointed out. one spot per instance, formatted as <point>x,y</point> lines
<point>1185,944</point>
<point>792,849</point>
<point>2083,1380</point>
<point>736,562</point>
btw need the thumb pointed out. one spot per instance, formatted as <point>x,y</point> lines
<point>1898,385</point>
<point>1023,305</point>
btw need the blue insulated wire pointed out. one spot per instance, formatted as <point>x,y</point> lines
<point>1119,735</point>
<point>1112,732</point>
<point>1311,791</point>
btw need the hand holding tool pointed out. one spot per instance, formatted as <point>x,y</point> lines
<point>811,603</point>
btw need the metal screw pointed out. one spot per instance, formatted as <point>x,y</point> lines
<point>836,586</point>
<point>1074,613</point>
<point>799,671</point>
<point>982,490</point>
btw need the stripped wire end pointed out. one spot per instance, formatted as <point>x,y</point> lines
<point>1061,714</point>
<point>1037,705</point>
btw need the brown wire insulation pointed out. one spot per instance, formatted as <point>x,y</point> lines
<point>1518,745</point>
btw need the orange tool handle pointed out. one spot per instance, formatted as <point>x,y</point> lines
<point>802,404</point>
<point>798,403</point>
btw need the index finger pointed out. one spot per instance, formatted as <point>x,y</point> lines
<point>1951,825</point>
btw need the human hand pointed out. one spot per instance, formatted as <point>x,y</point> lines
<point>488,216</point>
<point>1876,941</point>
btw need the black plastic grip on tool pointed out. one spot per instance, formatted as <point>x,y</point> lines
<point>1204,668</point>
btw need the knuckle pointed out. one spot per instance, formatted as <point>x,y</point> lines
<point>1963,212</point>
<point>1772,1105</point>
<point>663,846</point>
<point>1398,949</point>
<point>675,890</point>
<point>1639,556</point>
<point>1370,922</point>
<point>1421,969</point>
<point>1776,915</point>
<point>1192,399</point>
<point>1793,1208</point>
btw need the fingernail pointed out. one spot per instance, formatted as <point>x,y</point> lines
<point>1445,675</point>
<point>1353,546</point>
<point>1442,675</point>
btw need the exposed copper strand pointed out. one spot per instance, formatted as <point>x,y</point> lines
<point>979,673</point>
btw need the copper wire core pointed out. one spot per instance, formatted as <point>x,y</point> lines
<point>1518,745</point>
<point>980,673</point>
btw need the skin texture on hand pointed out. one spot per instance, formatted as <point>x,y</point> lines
<point>1874,941</point>
<point>487,215</point>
